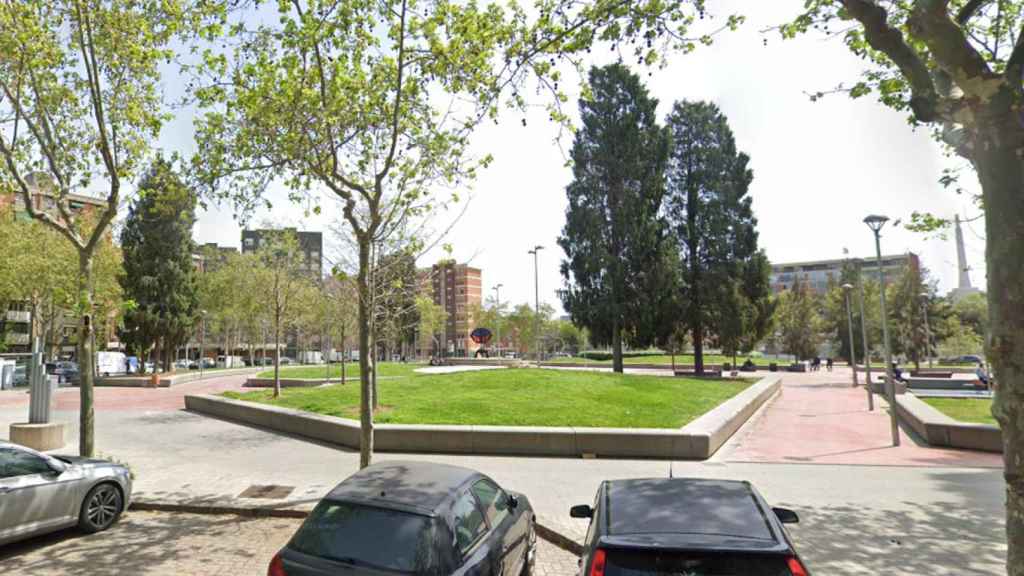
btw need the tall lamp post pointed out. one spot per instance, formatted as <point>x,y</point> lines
<point>202,343</point>
<point>536,298</point>
<point>497,309</point>
<point>864,336</point>
<point>876,223</point>
<point>849,323</point>
<point>927,328</point>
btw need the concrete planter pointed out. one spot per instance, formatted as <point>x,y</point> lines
<point>941,430</point>
<point>697,440</point>
<point>168,380</point>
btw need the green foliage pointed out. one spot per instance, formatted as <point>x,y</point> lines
<point>432,318</point>
<point>618,273</point>
<point>798,321</point>
<point>159,273</point>
<point>972,311</point>
<point>723,275</point>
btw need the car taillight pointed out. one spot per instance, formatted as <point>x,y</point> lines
<point>597,564</point>
<point>795,567</point>
<point>276,566</point>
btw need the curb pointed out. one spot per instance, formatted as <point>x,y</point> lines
<point>558,539</point>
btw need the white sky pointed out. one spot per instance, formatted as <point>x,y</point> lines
<point>819,167</point>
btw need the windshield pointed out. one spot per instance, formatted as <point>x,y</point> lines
<point>621,563</point>
<point>367,536</point>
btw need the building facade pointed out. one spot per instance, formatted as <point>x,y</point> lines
<point>311,244</point>
<point>457,289</point>
<point>820,274</point>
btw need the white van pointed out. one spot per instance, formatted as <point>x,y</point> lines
<point>111,363</point>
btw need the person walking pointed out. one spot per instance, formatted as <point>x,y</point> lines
<point>828,364</point>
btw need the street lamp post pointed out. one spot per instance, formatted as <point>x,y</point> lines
<point>849,323</point>
<point>497,310</point>
<point>536,297</point>
<point>867,351</point>
<point>927,329</point>
<point>875,223</point>
<point>202,344</point>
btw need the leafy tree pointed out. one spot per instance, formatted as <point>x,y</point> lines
<point>972,311</point>
<point>798,321</point>
<point>80,103</point>
<point>614,238</point>
<point>957,66</point>
<point>284,279</point>
<point>960,339</point>
<point>159,275</point>
<point>431,320</point>
<point>338,292</point>
<point>715,229</point>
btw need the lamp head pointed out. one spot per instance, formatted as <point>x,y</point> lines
<point>847,287</point>
<point>876,221</point>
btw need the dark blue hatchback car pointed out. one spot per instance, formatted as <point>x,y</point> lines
<point>413,518</point>
<point>673,526</point>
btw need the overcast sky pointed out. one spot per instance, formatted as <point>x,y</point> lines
<point>819,167</point>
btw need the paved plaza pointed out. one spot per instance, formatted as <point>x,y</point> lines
<point>865,508</point>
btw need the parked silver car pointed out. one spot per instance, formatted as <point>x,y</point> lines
<point>40,493</point>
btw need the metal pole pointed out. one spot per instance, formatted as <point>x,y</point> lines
<point>927,330</point>
<point>867,351</point>
<point>849,323</point>
<point>890,388</point>
<point>202,347</point>
<point>536,301</point>
<point>497,309</point>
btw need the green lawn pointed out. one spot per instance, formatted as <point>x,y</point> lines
<point>351,370</point>
<point>521,397</point>
<point>976,410</point>
<point>681,359</point>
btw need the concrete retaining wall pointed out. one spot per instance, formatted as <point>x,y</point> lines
<point>697,440</point>
<point>172,379</point>
<point>939,429</point>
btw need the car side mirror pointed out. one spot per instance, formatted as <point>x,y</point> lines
<point>56,466</point>
<point>581,511</point>
<point>786,516</point>
<point>513,501</point>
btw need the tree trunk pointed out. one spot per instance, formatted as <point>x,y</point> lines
<point>86,358</point>
<point>343,353</point>
<point>277,352</point>
<point>616,345</point>
<point>698,348</point>
<point>365,363</point>
<point>1001,173</point>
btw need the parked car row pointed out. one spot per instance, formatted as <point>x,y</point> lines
<point>432,519</point>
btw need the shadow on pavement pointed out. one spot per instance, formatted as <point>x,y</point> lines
<point>155,543</point>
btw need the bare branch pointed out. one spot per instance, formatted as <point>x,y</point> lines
<point>396,113</point>
<point>952,51</point>
<point>969,10</point>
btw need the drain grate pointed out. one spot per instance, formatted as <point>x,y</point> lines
<point>268,492</point>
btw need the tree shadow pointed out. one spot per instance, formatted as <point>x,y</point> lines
<point>155,543</point>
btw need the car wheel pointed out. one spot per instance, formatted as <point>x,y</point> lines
<point>531,552</point>
<point>101,508</point>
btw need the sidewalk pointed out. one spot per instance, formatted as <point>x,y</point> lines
<point>819,418</point>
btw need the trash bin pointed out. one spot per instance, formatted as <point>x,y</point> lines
<point>773,367</point>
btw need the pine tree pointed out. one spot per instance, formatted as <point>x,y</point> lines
<point>715,229</point>
<point>616,270</point>
<point>159,277</point>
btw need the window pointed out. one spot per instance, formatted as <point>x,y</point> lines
<point>493,499</point>
<point>366,536</point>
<point>248,242</point>
<point>626,563</point>
<point>469,522</point>
<point>17,463</point>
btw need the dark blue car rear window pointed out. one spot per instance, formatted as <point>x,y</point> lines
<point>367,536</point>
<point>623,563</point>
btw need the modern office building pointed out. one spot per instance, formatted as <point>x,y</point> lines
<point>311,243</point>
<point>457,289</point>
<point>820,274</point>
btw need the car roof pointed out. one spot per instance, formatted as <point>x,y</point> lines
<point>408,485</point>
<point>687,506</point>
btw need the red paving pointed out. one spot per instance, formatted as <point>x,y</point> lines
<point>819,418</point>
<point>131,399</point>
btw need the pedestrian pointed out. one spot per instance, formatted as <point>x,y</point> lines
<point>982,375</point>
<point>828,364</point>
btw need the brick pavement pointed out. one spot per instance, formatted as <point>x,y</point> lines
<point>819,418</point>
<point>175,544</point>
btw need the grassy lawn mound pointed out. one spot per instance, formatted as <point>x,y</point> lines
<point>971,410</point>
<point>351,370</point>
<point>520,397</point>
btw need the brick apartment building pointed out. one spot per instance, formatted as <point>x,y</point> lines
<point>457,289</point>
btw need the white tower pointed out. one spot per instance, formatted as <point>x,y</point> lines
<point>964,283</point>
